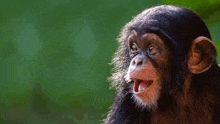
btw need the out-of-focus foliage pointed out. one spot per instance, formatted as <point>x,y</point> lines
<point>54,55</point>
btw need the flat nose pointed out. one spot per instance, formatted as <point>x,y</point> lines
<point>137,62</point>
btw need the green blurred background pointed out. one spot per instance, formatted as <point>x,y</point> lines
<point>54,55</point>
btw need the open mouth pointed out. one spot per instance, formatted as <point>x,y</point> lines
<point>141,85</point>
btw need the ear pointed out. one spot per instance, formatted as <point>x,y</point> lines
<point>201,55</point>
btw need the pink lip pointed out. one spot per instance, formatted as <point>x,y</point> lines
<point>141,85</point>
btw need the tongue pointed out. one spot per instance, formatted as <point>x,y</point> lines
<point>136,85</point>
<point>141,85</point>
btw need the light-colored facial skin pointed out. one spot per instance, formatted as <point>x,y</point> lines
<point>146,77</point>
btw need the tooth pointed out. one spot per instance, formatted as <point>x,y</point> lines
<point>140,88</point>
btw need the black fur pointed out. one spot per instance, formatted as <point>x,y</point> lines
<point>178,27</point>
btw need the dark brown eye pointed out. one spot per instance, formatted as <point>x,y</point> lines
<point>152,49</point>
<point>134,47</point>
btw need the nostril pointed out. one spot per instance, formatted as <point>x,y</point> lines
<point>133,63</point>
<point>139,62</point>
